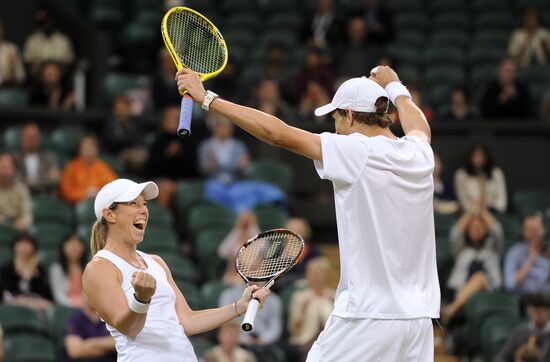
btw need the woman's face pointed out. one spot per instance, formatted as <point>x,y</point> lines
<point>24,249</point>
<point>88,149</point>
<point>73,249</point>
<point>131,219</point>
<point>479,158</point>
<point>477,231</point>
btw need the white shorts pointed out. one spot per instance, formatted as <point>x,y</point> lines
<point>366,340</point>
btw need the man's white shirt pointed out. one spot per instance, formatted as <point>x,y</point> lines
<point>383,191</point>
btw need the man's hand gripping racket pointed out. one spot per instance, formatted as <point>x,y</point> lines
<point>196,44</point>
<point>265,258</point>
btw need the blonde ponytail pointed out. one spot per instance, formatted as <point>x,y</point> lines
<point>99,236</point>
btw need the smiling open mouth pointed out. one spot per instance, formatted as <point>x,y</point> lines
<point>139,226</point>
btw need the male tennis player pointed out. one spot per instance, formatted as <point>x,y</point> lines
<point>388,290</point>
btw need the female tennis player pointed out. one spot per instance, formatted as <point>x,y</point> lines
<point>383,186</point>
<point>133,292</point>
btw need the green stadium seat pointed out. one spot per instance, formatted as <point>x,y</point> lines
<point>6,255</point>
<point>287,37</point>
<point>480,6</point>
<point>511,226</point>
<point>411,38</point>
<point>181,267</point>
<point>405,5</point>
<point>12,138</point>
<point>457,6</point>
<point>443,39</point>
<point>16,319</point>
<point>444,55</point>
<point>7,234</point>
<point>242,38</point>
<point>107,18</point>
<point>484,305</point>
<point>49,235</point>
<point>13,97</point>
<point>237,6</point>
<point>248,21</point>
<point>286,297</point>
<point>490,38</point>
<point>404,21</point>
<point>48,257</point>
<point>56,318</point>
<point>408,73</point>
<point>84,211</point>
<point>275,172</point>
<point>211,292</point>
<point>159,216</point>
<point>444,74</point>
<point>437,95</point>
<point>204,217</point>
<point>213,268</point>
<point>528,201</point>
<point>405,53</point>
<point>278,6</point>
<point>535,74</point>
<point>191,293</point>
<point>113,161</point>
<point>84,230</point>
<point>65,140</point>
<point>271,217</point>
<point>484,55</point>
<point>481,75</point>
<point>47,209</point>
<point>495,20</point>
<point>159,241</point>
<point>29,348</point>
<point>459,22</point>
<point>444,223</point>
<point>494,332</point>
<point>206,243</point>
<point>117,83</point>
<point>290,20</point>
<point>189,194</point>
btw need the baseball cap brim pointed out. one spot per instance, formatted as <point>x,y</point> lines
<point>149,189</point>
<point>326,109</point>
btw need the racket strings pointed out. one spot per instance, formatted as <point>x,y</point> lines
<point>195,43</point>
<point>269,255</point>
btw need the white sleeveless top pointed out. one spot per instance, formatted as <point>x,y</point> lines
<point>162,338</point>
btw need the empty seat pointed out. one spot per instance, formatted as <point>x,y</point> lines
<point>84,211</point>
<point>410,20</point>
<point>159,241</point>
<point>445,55</point>
<point>191,293</point>
<point>189,194</point>
<point>204,217</point>
<point>181,267</point>
<point>12,138</point>
<point>528,201</point>
<point>51,209</point>
<point>29,348</point>
<point>271,217</point>
<point>275,172</point>
<point>211,292</point>
<point>18,319</point>
<point>494,332</point>
<point>49,235</point>
<point>13,97</point>
<point>206,243</point>
<point>159,216</point>
<point>65,140</point>
<point>484,305</point>
<point>460,22</point>
<point>443,39</point>
<point>56,318</point>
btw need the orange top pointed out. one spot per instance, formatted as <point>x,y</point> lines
<point>78,177</point>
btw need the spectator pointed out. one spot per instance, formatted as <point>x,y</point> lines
<point>228,348</point>
<point>531,43</point>
<point>311,307</point>
<point>460,109</point>
<point>480,182</point>
<point>47,44</point>
<point>301,227</point>
<point>477,241</point>
<point>506,97</point>
<point>12,71</point>
<point>15,197</point>
<point>325,28</point>
<point>38,168</point>
<point>87,338</point>
<point>123,137</point>
<point>314,97</point>
<point>444,198</point>
<point>268,99</point>
<point>66,274</point>
<point>268,325</point>
<point>50,91</point>
<point>358,55</point>
<point>246,227</point>
<point>379,22</point>
<point>221,156</point>
<point>85,174</point>
<point>527,264</point>
<point>229,82</point>
<point>23,280</point>
<point>315,70</point>
<point>165,90</point>
<point>167,152</point>
<point>537,330</point>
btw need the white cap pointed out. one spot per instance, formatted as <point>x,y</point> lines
<point>123,190</point>
<point>357,94</point>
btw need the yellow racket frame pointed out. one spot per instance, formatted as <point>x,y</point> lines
<point>172,51</point>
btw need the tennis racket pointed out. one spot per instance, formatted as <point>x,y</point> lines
<point>265,258</point>
<point>195,43</point>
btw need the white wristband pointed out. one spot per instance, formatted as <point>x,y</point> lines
<point>138,307</point>
<point>396,89</point>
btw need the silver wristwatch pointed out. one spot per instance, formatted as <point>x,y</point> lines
<point>208,98</point>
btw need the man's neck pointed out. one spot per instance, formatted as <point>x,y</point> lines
<point>372,131</point>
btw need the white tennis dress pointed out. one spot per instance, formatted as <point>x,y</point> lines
<point>162,338</point>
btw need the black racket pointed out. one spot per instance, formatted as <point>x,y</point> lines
<point>265,258</point>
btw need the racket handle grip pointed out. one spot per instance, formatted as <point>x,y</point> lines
<point>184,128</point>
<point>251,310</point>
